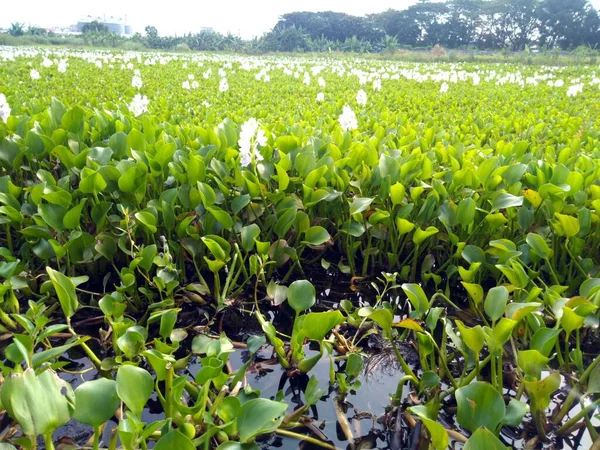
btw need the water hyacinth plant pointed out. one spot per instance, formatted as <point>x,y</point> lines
<point>216,251</point>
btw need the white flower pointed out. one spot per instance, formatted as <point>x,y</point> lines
<point>185,65</point>
<point>139,105</point>
<point>321,82</point>
<point>251,136</point>
<point>46,62</point>
<point>306,80</point>
<point>361,98</point>
<point>444,88</point>
<point>186,85</point>
<point>559,83</point>
<point>62,65</point>
<point>377,84</point>
<point>4,108</point>
<point>195,84</point>
<point>191,76</point>
<point>574,90</point>
<point>136,81</point>
<point>348,119</point>
<point>223,85</point>
<point>222,73</point>
<point>34,74</point>
<point>99,64</point>
<point>136,71</point>
<point>206,104</point>
<point>320,97</point>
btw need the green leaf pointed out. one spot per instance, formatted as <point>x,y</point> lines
<point>532,362</point>
<point>439,436</point>
<point>316,236</point>
<point>92,183</point>
<point>312,393</point>
<point>421,236</point>
<point>147,219</point>
<point>65,291</point>
<point>53,215</point>
<point>474,337</point>
<point>466,212</point>
<point>539,391</point>
<point>495,302</point>
<point>484,439</point>
<point>39,403</point>
<point>475,292</point>
<point>566,225</point>
<point>515,411</point>
<point>318,325</point>
<point>222,217</point>
<point>301,295</point>
<point>570,320</point>
<point>354,364</point>
<point>505,200</point>
<point>479,405</point>
<point>259,416</point>
<point>544,339</point>
<point>360,204</point>
<point>73,217</point>
<point>417,297</point>
<point>384,318</point>
<point>174,440</point>
<point>539,245</point>
<point>96,401</point>
<point>134,387</point>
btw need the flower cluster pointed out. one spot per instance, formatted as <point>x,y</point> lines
<point>574,90</point>
<point>223,85</point>
<point>348,119</point>
<point>139,105</point>
<point>361,98</point>
<point>62,66</point>
<point>4,108</point>
<point>251,136</point>
<point>136,81</point>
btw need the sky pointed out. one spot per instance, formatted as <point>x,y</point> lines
<point>246,18</point>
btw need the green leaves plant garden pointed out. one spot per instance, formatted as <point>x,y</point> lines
<point>466,227</point>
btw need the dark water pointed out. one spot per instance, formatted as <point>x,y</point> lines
<point>373,424</point>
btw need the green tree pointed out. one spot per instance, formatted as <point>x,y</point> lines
<point>94,27</point>
<point>567,24</point>
<point>16,29</point>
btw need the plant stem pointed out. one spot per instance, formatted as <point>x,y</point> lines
<point>96,444</point>
<point>573,420</point>
<point>169,391</point>
<point>48,441</point>
<point>407,370</point>
<point>566,406</point>
<point>88,351</point>
<point>466,379</point>
<point>303,437</point>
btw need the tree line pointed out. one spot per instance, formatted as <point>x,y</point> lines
<point>482,24</point>
<point>454,24</point>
